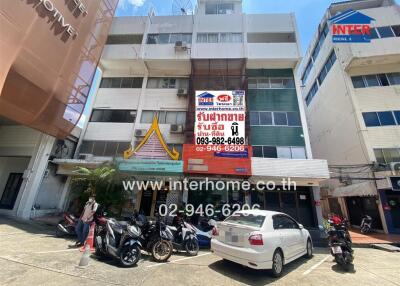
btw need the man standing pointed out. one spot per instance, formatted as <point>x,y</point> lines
<point>83,225</point>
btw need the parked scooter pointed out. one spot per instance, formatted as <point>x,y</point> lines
<point>366,224</point>
<point>184,237</point>
<point>67,225</point>
<point>205,231</point>
<point>340,243</point>
<point>155,237</point>
<point>119,240</point>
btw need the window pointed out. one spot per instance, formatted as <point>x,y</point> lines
<point>220,8</point>
<point>385,32</point>
<point>254,118</point>
<point>311,94</point>
<point>376,80</point>
<point>298,153</point>
<point>231,38</point>
<point>258,151</point>
<point>271,83</point>
<point>269,152</point>
<point>397,115</point>
<point>394,78</point>
<point>396,30</point>
<point>254,38</point>
<point>124,39</point>
<point>104,148</point>
<point>386,118</point>
<point>358,81</point>
<point>307,72</point>
<point>327,67</point>
<point>268,118</point>
<point>265,118</point>
<point>280,118</point>
<point>293,119</point>
<point>168,38</point>
<point>279,152</point>
<point>219,38</point>
<point>387,155</point>
<point>371,119</point>
<point>284,152</point>
<point>117,116</point>
<point>173,83</point>
<point>371,80</point>
<point>147,116</point>
<point>383,80</point>
<point>381,118</point>
<point>164,117</point>
<point>374,34</point>
<point>121,82</point>
<point>284,222</point>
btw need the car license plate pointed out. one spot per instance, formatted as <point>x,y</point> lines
<point>231,238</point>
<point>336,250</point>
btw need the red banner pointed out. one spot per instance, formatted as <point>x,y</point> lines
<point>223,160</point>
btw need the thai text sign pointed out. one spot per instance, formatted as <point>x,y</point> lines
<point>220,117</point>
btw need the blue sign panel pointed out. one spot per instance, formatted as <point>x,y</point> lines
<point>149,166</point>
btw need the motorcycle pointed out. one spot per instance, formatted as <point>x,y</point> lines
<point>340,243</point>
<point>205,231</point>
<point>155,238</point>
<point>119,240</point>
<point>67,225</point>
<point>366,224</point>
<point>184,237</point>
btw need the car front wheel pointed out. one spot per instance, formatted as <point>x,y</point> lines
<point>277,264</point>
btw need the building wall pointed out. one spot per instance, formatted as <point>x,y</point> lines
<point>11,165</point>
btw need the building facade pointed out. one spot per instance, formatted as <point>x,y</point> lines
<point>49,54</point>
<point>152,67</point>
<point>351,91</point>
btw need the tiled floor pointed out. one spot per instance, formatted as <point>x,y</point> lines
<point>370,238</point>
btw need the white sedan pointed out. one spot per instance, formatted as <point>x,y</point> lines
<point>261,240</point>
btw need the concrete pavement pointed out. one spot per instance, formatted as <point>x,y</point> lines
<point>31,255</point>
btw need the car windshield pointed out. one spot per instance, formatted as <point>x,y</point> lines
<point>246,219</point>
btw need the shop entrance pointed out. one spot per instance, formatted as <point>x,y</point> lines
<point>393,200</point>
<point>359,206</point>
<point>297,204</point>
<point>11,191</point>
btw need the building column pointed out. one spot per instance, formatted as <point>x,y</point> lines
<point>34,175</point>
<point>318,209</point>
<point>64,194</point>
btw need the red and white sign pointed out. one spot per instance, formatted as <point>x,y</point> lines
<point>220,117</point>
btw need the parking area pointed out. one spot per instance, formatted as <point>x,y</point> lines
<point>31,255</point>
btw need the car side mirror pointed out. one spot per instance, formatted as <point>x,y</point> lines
<point>301,226</point>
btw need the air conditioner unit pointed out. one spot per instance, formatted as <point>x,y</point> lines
<point>176,128</point>
<point>395,167</point>
<point>140,132</point>
<point>86,157</point>
<point>182,92</point>
<point>180,46</point>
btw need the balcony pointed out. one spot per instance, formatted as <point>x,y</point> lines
<point>270,53</point>
<point>305,172</point>
<point>378,52</point>
<point>121,52</point>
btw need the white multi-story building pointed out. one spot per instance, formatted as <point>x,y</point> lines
<point>153,66</point>
<point>352,95</point>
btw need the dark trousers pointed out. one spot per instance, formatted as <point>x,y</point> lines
<point>82,230</point>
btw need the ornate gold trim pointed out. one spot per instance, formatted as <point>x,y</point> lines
<point>174,155</point>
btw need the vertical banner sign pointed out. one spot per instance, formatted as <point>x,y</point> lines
<point>220,117</point>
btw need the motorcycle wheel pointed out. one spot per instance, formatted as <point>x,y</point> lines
<point>129,256</point>
<point>161,250</point>
<point>59,232</point>
<point>192,246</point>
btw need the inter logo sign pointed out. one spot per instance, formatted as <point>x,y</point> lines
<point>351,27</point>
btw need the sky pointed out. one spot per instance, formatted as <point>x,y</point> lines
<point>308,15</point>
